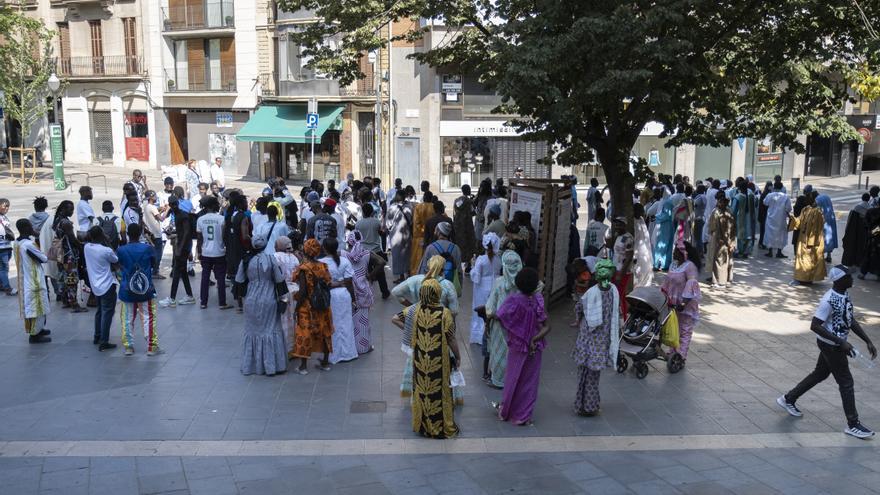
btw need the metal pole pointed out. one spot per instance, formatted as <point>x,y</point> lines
<point>312,165</point>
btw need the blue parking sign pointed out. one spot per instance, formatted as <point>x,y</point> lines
<point>312,121</point>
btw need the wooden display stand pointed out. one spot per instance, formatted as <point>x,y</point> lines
<point>22,153</point>
<point>549,202</point>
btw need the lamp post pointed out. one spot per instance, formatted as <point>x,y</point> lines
<point>55,133</point>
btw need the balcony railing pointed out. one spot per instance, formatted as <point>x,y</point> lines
<point>271,86</point>
<point>115,65</point>
<point>221,80</point>
<point>211,14</point>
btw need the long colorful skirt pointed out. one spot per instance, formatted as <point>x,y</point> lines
<point>587,398</point>
<point>520,387</point>
<point>497,354</point>
<point>362,330</point>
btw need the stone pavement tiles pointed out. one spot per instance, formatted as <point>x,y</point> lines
<point>762,471</point>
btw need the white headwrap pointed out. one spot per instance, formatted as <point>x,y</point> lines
<point>493,239</point>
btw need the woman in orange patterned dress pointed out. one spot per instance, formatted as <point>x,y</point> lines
<point>314,328</point>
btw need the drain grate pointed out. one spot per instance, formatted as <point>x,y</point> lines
<point>367,406</point>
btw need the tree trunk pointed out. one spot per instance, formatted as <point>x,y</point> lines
<point>621,183</point>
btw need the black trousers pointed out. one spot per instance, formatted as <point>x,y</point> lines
<point>383,282</point>
<point>832,361</point>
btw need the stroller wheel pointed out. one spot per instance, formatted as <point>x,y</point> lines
<point>641,370</point>
<point>622,363</point>
<point>675,363</point>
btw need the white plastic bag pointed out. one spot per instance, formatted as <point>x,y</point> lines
<point>456,379</point>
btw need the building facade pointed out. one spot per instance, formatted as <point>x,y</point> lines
<point>203,80</point>
<point>105,105</point>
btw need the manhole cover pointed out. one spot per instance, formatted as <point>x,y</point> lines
<point>367,406</point>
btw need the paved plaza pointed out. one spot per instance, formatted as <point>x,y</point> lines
<point>73,420</point>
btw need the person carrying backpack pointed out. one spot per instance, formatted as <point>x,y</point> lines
<point>442,246</point>
<point>111,225</point>
<point>136,292</point>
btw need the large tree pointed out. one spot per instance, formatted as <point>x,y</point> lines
<point>587,75</point>
<point>25,67</point>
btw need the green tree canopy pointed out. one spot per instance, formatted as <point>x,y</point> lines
<point>588,75</point>
<point>25,58</point>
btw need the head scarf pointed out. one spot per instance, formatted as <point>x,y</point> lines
<point>356,250</point>
<point>511,265</point>
<point>283,244</point>
<point>445,228</point>
<point>259,241</point>
<point>435,267</point>
<point>312,248</point>
<point>429,293</point>
<point>491,239</point>
<point>604,271</point>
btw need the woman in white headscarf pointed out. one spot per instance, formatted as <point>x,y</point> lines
<point>264,346</point>
<point>486,268</point>
<point>288,263</point>
<point>511,264</point>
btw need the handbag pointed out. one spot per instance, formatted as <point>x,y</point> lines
<point>56,250</point>
<point>281,292</point>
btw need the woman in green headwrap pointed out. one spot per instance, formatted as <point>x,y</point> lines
<point>598,337</point>
<point>511,264</point>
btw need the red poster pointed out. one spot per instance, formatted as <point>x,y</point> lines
<point>137,148</point>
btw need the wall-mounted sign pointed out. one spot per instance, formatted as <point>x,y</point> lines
<point>865,125</point>
<point>451,83</point>
<point>224,119</point>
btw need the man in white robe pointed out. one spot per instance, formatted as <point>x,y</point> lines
<point>33,296</point>
<point>776,227</point>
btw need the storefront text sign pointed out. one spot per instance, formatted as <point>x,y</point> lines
<point>224,119</point>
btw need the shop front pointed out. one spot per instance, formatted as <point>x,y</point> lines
<point>288,143</point>
<point>473,150</point>
<point>649,146</point>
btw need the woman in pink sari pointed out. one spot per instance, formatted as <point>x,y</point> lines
<point>362,282</point>
<point>523,316</point>
<point>682,289</point>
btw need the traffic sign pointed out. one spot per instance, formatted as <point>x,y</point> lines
<point>312,120</point>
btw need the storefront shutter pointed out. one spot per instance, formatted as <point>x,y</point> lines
<point>511,153</point>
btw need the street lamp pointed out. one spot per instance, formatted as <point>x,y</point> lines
<point>54,85</point>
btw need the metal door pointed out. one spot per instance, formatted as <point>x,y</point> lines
<point>407,161</point>
<point>368,144</point>
<point>102,137</point>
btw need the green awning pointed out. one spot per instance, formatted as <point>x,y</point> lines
<point>287,124</point>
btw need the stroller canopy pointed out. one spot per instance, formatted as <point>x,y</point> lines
<point>648,301</point>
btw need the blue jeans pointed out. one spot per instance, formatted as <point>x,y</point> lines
<point>104,315</point>
<point>4,269</point>
<point>158,248</point>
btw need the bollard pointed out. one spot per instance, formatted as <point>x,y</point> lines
<point>867,179</point>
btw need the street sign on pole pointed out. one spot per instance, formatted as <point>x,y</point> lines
<point>312,124</point>
<point>57,149</point>
<point>312,121</point>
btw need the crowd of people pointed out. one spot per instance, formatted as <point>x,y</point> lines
<point>301,269</point>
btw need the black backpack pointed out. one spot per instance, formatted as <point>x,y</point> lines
<point>319,297</point>
<point>111,231</point>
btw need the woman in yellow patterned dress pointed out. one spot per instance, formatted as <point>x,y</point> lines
<point>432,340</point>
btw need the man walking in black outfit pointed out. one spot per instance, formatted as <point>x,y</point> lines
<point>832,323</point>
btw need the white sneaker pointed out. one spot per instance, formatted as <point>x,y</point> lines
<point>187,300</point>
<point>789,408</point>
<point>858,430</point>
<point>129,351</point>
<point>167,303</point>
<point>156,351</point>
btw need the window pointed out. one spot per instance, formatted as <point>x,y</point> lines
<point>130,36</point>
<point>97,46</point>
<point>63,48</point>
<point>294,68</point>
<point>298,157</point>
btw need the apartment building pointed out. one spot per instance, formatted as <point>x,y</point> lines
<point>203,79</point>
<point>346,137</point>
<point>105,106</point>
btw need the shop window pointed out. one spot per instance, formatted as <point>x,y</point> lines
<point>327,158</point>
<point>469,160</point>
<point>137,136</point>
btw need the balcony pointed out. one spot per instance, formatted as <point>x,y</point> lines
<point>220,80</point>
<point>208,15</point>
<point>300,88</point>
<point>104,67</point>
